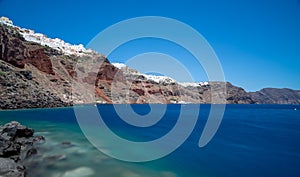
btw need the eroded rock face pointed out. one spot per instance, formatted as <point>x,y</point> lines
<point>18,90</point>
<point>237,95</point>
<point>18,52</point>
<point>19,86</point>
<point>17,143</point>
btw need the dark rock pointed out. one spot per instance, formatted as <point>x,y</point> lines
<point>17,143</point>
<point>38,139</point>
<point>53,80</point>
<point>66,144</point>
<point>55,157</point>
<point>23,131</point>
<point>27,74</point>
<point>31,152</point>
<point>12,150</point>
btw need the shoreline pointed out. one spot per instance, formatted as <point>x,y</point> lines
<point>90,104</point>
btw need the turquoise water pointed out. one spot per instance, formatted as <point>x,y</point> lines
<point>253,140</point>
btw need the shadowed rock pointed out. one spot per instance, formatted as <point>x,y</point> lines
<point>16,144</point>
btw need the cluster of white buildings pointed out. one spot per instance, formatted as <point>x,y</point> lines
<point>165,79</point>
<point>159,79</point>
<point>193,84</point>
<point>58,44</point>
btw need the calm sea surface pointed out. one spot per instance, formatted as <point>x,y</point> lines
<point>252,141</point>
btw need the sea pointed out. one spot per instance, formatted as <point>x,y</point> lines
<point>251,141</point>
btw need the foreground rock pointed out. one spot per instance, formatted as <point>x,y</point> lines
<point>17,143</point>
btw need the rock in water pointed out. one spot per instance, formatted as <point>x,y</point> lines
<point>23,131</point>
<point>81,171</point>
<point>16,144</point>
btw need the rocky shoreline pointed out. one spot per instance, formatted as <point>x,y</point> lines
<point>17,143</point>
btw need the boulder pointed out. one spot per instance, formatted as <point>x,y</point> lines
<point>16,144</point>
<point>23,131</point>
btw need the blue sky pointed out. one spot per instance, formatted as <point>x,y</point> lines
<point>257,42</point>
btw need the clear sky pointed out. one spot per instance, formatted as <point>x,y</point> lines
<point>257,41</point>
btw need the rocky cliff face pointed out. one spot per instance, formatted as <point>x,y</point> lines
<point>33,75</point>
<point>18,52</point>
<point>276,96</point>
<point>18,89</point>
<point>36,71</point>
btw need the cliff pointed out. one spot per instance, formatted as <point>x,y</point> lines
<point>276,96</point>
<point>37,71</point>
